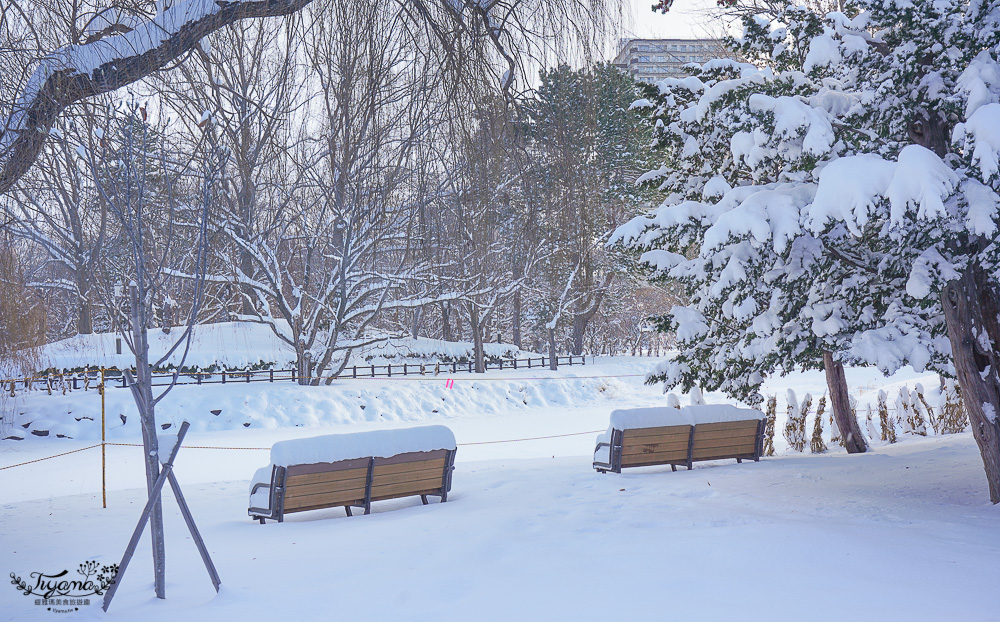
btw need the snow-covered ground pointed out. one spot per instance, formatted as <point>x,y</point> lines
<point>530,530</point>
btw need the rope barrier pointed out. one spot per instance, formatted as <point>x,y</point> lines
<point>511,440</point>
<point>197,447</point>
<point>50,457</point>
<point>534,438</point>
<point>479,379</point>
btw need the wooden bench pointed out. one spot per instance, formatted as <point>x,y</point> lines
<point>351,482</point>
<point>636,439</point>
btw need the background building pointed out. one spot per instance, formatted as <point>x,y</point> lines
<point>650,60</point>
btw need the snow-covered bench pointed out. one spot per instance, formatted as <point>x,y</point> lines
<point>679,437</point>
<point>352,470</point>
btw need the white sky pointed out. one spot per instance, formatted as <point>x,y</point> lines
<point>686,19</point>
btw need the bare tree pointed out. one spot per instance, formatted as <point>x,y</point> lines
<point>141,181</point>
<point>58,208</point>
<point>117,47</point>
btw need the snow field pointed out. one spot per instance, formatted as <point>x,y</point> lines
<point>904,531</point>
<point>530,531</point>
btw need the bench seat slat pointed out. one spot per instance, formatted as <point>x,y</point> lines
<point>724,442</point>
<point>327,477</point>
<point>633,448</point>
<point>679,430</point>
<point>381,479</point>
<point>418,465</point>
<point>326,500</point>
<point>379,490</point>
<point>728,425</point>
<point>292,491</point>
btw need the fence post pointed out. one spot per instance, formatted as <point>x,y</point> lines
<point>249,373</point>
<point>223,376</point>
<point>404,369</point>
<point>104,462</point>
<point>271,375</point>
<point>354,372</point>
<point>389,369</point>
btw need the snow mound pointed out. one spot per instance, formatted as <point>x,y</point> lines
<point>689,415</point>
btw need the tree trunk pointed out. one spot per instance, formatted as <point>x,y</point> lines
<point>246,291</point>
<point>459,333</point>
<point>840,400</point>
<point>446,321</point>
<point>477,339</point>
<point>553,359</point>
<point>516,320</point>
<point>970,310</point>
<point>142,391</point>
<point>418,320</point>
<point>85,319</point>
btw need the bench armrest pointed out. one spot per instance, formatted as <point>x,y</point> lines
<point>257,486</point>
<point>596,449</point>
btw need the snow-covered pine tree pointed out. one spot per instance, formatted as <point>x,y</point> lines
<point>838,196</point>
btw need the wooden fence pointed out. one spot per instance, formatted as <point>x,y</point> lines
<point>90,379</point>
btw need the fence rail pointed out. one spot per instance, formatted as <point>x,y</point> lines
<point>90,379</point>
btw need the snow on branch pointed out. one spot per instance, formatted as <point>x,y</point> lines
<point>77,72</point>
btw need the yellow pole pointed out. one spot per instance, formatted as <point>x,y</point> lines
<point>104,481</point>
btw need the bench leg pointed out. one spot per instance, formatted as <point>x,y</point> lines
<point>423,498</point>
<point>739,461</point>
<point>348,508</point>
<point>673,467</point>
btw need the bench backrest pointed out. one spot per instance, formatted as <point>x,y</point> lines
<point>732,439</point>
<point>360,481</point>
<point>325,484</point>
<point>647,446</point>
<point>405,475</point>
<point>685,444</point>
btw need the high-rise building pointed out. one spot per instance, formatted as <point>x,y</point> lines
<point>651,60</point>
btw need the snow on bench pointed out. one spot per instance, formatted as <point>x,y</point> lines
<point>679,436</point>
<point>352,470</point>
